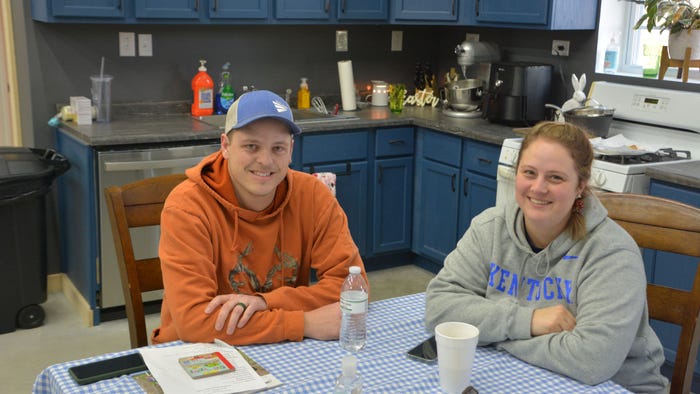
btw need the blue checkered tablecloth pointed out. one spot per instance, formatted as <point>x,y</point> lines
<point>393,326</point>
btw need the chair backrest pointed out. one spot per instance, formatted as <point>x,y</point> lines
<point>671,226</point>
<point>137,204</point>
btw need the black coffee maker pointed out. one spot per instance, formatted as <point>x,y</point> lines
<point>517,93</point>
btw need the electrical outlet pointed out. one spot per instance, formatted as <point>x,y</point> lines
<point>145,45</point>
<point>560,48</point>
<point>127,44</point>
<point>396,40</point>
<point>341,40</point>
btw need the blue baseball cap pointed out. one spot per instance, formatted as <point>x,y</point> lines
<point>256,105</point>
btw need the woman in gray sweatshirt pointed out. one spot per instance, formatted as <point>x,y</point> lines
<point>552,280</point>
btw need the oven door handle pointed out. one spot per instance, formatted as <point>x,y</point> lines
<point>139,165</point>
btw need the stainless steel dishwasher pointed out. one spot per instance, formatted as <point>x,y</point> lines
<point>126,166</point>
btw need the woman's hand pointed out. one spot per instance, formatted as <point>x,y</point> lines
<point>551,319</point>
<point>236,308</point>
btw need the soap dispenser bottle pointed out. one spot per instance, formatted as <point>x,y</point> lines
<point>303,95</point>
<point>225,94</point>
<point>612,53</point>
<point>203,89</point>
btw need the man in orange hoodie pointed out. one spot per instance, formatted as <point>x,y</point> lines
<point>240,237</point>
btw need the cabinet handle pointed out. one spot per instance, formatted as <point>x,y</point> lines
<point>453,6</point>
<point>454,177</point>
<point>119,5</point>
<point>327,6</point>
<point>379,176</point>
<point>143,165</point>
<point>348,169</point>
<point>196,5</point>
<point>397,142</point>
<point>465,191</point>
<point>483,160</point>
<point>216,5</point>
<point>476,8</point>
<point>342,6</point>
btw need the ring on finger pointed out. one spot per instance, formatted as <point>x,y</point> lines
<point>242,305</point>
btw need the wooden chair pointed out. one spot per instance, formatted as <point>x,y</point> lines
<point>137,204</point>
<point>671,226</point>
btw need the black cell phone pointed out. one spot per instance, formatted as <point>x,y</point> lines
<point>425,351</point>
<point>106,369</point>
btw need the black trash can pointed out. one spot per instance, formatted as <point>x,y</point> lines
<point>26,175</point>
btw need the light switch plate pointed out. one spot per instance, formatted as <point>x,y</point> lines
<point>145,45</point>
<point>341,41</point>
<point>396,40</point>
<point>127,44</point>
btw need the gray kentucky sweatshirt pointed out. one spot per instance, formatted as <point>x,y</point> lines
<point>495,281</point>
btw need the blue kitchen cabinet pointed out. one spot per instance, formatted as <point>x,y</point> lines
<point>107,11</point>
<point>479,166</point>
<point>455,181</point>
<point>77,207</point>
<point>436,194</point>
<point>377,10</point>
<point>238,9</point>
<point>167,9</point>
<point>533,14</point>
<point>332,10</point>
<point>430,11</point>
<point>303,9</point>
<point>671,269</point>
<point>345,154</point>
<point>392,190</point>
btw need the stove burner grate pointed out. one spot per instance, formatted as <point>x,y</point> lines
<point>664,154</point>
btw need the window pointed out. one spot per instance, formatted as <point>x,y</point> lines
<point>637,48</point>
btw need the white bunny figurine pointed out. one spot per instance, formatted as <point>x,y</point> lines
<point>579,97</point>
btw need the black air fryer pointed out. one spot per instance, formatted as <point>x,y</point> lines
<point>517,93</point>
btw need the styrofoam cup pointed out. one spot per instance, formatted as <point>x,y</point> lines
<point>456,346</point>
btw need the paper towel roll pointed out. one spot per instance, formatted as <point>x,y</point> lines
<point>347,85</point>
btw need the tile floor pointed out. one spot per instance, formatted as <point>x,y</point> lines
<point>25,353</point>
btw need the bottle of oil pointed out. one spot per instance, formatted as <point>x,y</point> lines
<point>303,95</point>
<point>203,89</point>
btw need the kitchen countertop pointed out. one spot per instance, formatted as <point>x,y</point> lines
<point>685,174</point>
<point>179,127</point>
<point>147,128</point>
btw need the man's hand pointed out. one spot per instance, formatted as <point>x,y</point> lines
<point>323,323</point>
<point>551,319</point>
<point>236,308</point>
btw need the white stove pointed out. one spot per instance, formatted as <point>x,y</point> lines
<point>651,118</point>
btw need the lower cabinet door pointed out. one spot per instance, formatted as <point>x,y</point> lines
<point>351,191</point>
<point>393,189</point>
<point>435,209</point>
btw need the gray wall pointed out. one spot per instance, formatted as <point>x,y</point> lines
<point>56,60</point>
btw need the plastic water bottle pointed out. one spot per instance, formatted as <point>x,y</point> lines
<point>353,304</point>
<point>349,381</point>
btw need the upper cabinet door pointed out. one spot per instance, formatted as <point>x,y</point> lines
<point>533,14</point>
<point>514,11</point>
<point>238,9</point>
<point>363,9</point>
<point>167,9</point>
<point>88,8</point>
<point>303,9</point>
<point>421,10</point>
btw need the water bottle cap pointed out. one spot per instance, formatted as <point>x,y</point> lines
<point>355,269</point>
<point>349,365</point>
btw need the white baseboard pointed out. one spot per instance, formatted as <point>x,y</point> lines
<point>61,283</point>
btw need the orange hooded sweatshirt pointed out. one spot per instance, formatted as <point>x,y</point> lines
<point>209,246</point>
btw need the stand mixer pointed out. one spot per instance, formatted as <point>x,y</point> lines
<point>463,98</point>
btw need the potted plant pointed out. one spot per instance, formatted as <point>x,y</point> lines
<point>680,17</point>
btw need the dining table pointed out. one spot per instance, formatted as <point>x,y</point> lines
<point>394,326</point>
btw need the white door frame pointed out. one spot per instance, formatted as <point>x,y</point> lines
<point>10,130</point>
